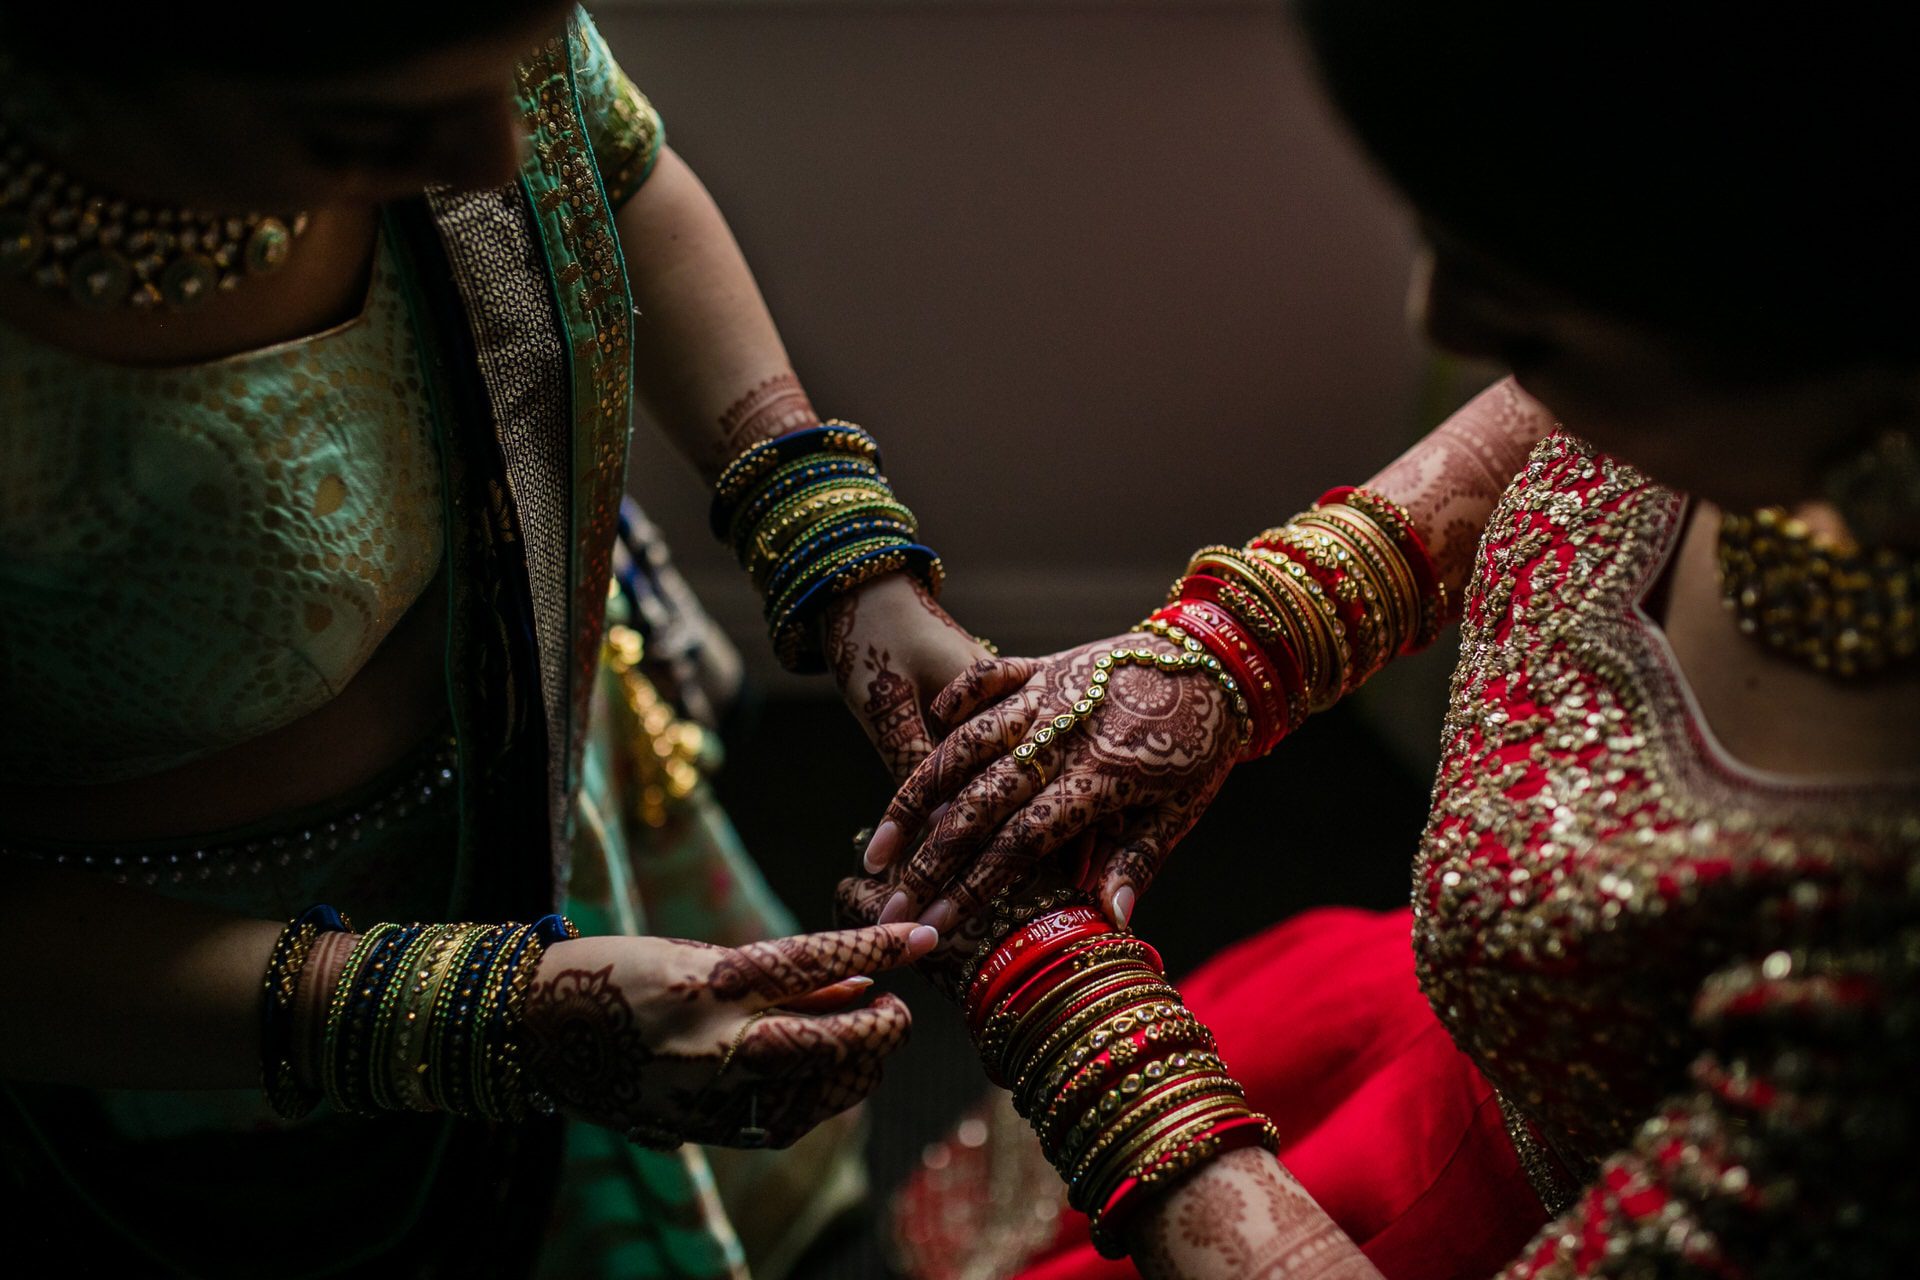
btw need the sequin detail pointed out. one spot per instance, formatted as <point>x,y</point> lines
<point>1591,874</point>
<point>420,784</point>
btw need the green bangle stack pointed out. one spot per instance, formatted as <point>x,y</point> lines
<point>423,1018</point>
<point>810,517</point>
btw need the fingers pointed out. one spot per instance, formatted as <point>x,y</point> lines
<point>829,999</point>
<point>985,681</point>
<point>780,969</point>
<point>1065,808</point>
<point>857,900</point>
<point>786,1045</point>
<point>972,818</point>
<point>967,750</point>
<point>1129,869</point>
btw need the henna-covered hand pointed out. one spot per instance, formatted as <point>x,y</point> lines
<point>671,1041</point>
<point>1133,778</point>
<point>892,649</point>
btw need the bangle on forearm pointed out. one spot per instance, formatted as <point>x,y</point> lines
<point>1308,611</point>
<point>421,1018</point>
<point>810,517</point>
<point>279,1026</point>
<point>1122,1084</point>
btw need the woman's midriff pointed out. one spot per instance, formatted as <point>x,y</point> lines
<point>382,715</point>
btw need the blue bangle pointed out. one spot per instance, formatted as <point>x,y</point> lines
<point>798,561</point>
<point>790,629</point>
<point>824,467</point>
<point>828,438</point>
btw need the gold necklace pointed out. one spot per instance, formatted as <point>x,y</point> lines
<point>104,251</point>
<point>1842,609</point>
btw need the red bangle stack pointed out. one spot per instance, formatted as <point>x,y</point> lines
<point>1307,611</point>
<point>1122,1083</point>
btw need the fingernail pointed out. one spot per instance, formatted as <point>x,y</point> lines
<point>922,940</point>
<point>933,819</point>
<point>1123,903</point>
<point>858,982</point>
<point>880,849</point>
<point>898,908</point>
<point>939,916</point>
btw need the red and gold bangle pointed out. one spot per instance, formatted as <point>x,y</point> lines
<point>1135,1130</point>
<point>1071,1009</point>
<point>1117,1213</point>
<point>1060,968</point>
<point>1377,555</point>
<point>1004,1033</point>
<point>1097,1022</point>
<point>1276,687</point>
<point>1116,1073</point>
<point>1353,593</point>
<point>1118,1024</point>
<point>1209,1104</point>
<point>1250,664</point>
<point>1032,942</point>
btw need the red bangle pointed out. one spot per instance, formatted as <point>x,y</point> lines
<point>1270,674</point>
<point>1055,975</point>
<point>1033,941</point>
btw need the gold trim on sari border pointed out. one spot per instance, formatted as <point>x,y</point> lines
<point>590,283</point>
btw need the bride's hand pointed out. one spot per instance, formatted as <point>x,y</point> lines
<point>891,649</point>
<point>670,1041</point>
<point>1132,776</point>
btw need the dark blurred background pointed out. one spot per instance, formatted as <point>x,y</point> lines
<point>1109,284</point>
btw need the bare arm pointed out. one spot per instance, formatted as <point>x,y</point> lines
<point>710,367</point>
<point>1243,1217</point>
<point>713,373</point>
<point>130,990</point>
<point>1450,481</point>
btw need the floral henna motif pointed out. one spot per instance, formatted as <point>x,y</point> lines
<point>583,1044</point>
<point>774,408</point>
<point>1450,481</point>
<point>893,715</point>
<point>842,653</point>
<point>1245,1216</point>
<point>1155,750</point>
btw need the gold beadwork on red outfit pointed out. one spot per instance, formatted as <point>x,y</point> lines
<point>1689,982</point>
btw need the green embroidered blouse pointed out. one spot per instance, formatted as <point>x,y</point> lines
<point>192,556</point>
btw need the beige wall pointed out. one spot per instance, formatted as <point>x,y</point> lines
<point>1105,279</point>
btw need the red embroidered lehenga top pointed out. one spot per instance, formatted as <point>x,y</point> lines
<point>1665,1019</point>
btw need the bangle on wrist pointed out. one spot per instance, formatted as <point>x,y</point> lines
<point>811,517</point>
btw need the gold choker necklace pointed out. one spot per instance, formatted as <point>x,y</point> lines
<point>103,251</point>
<point>1842,609</point>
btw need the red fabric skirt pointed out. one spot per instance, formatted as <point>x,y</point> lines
<point>1383,1120</point>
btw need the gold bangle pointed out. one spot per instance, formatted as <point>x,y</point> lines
<point>1096,1034</point>
<point>1054,1125</point>
<point>1106,987</point>
<point>1130,1112</point>
<point>1003,1028</point>
<point>1106,1170</point>
<point>1162,1118</point>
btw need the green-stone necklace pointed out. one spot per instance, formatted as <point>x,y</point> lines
<point>104,251</point>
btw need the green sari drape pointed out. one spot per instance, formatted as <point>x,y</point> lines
<point>519,302</point>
